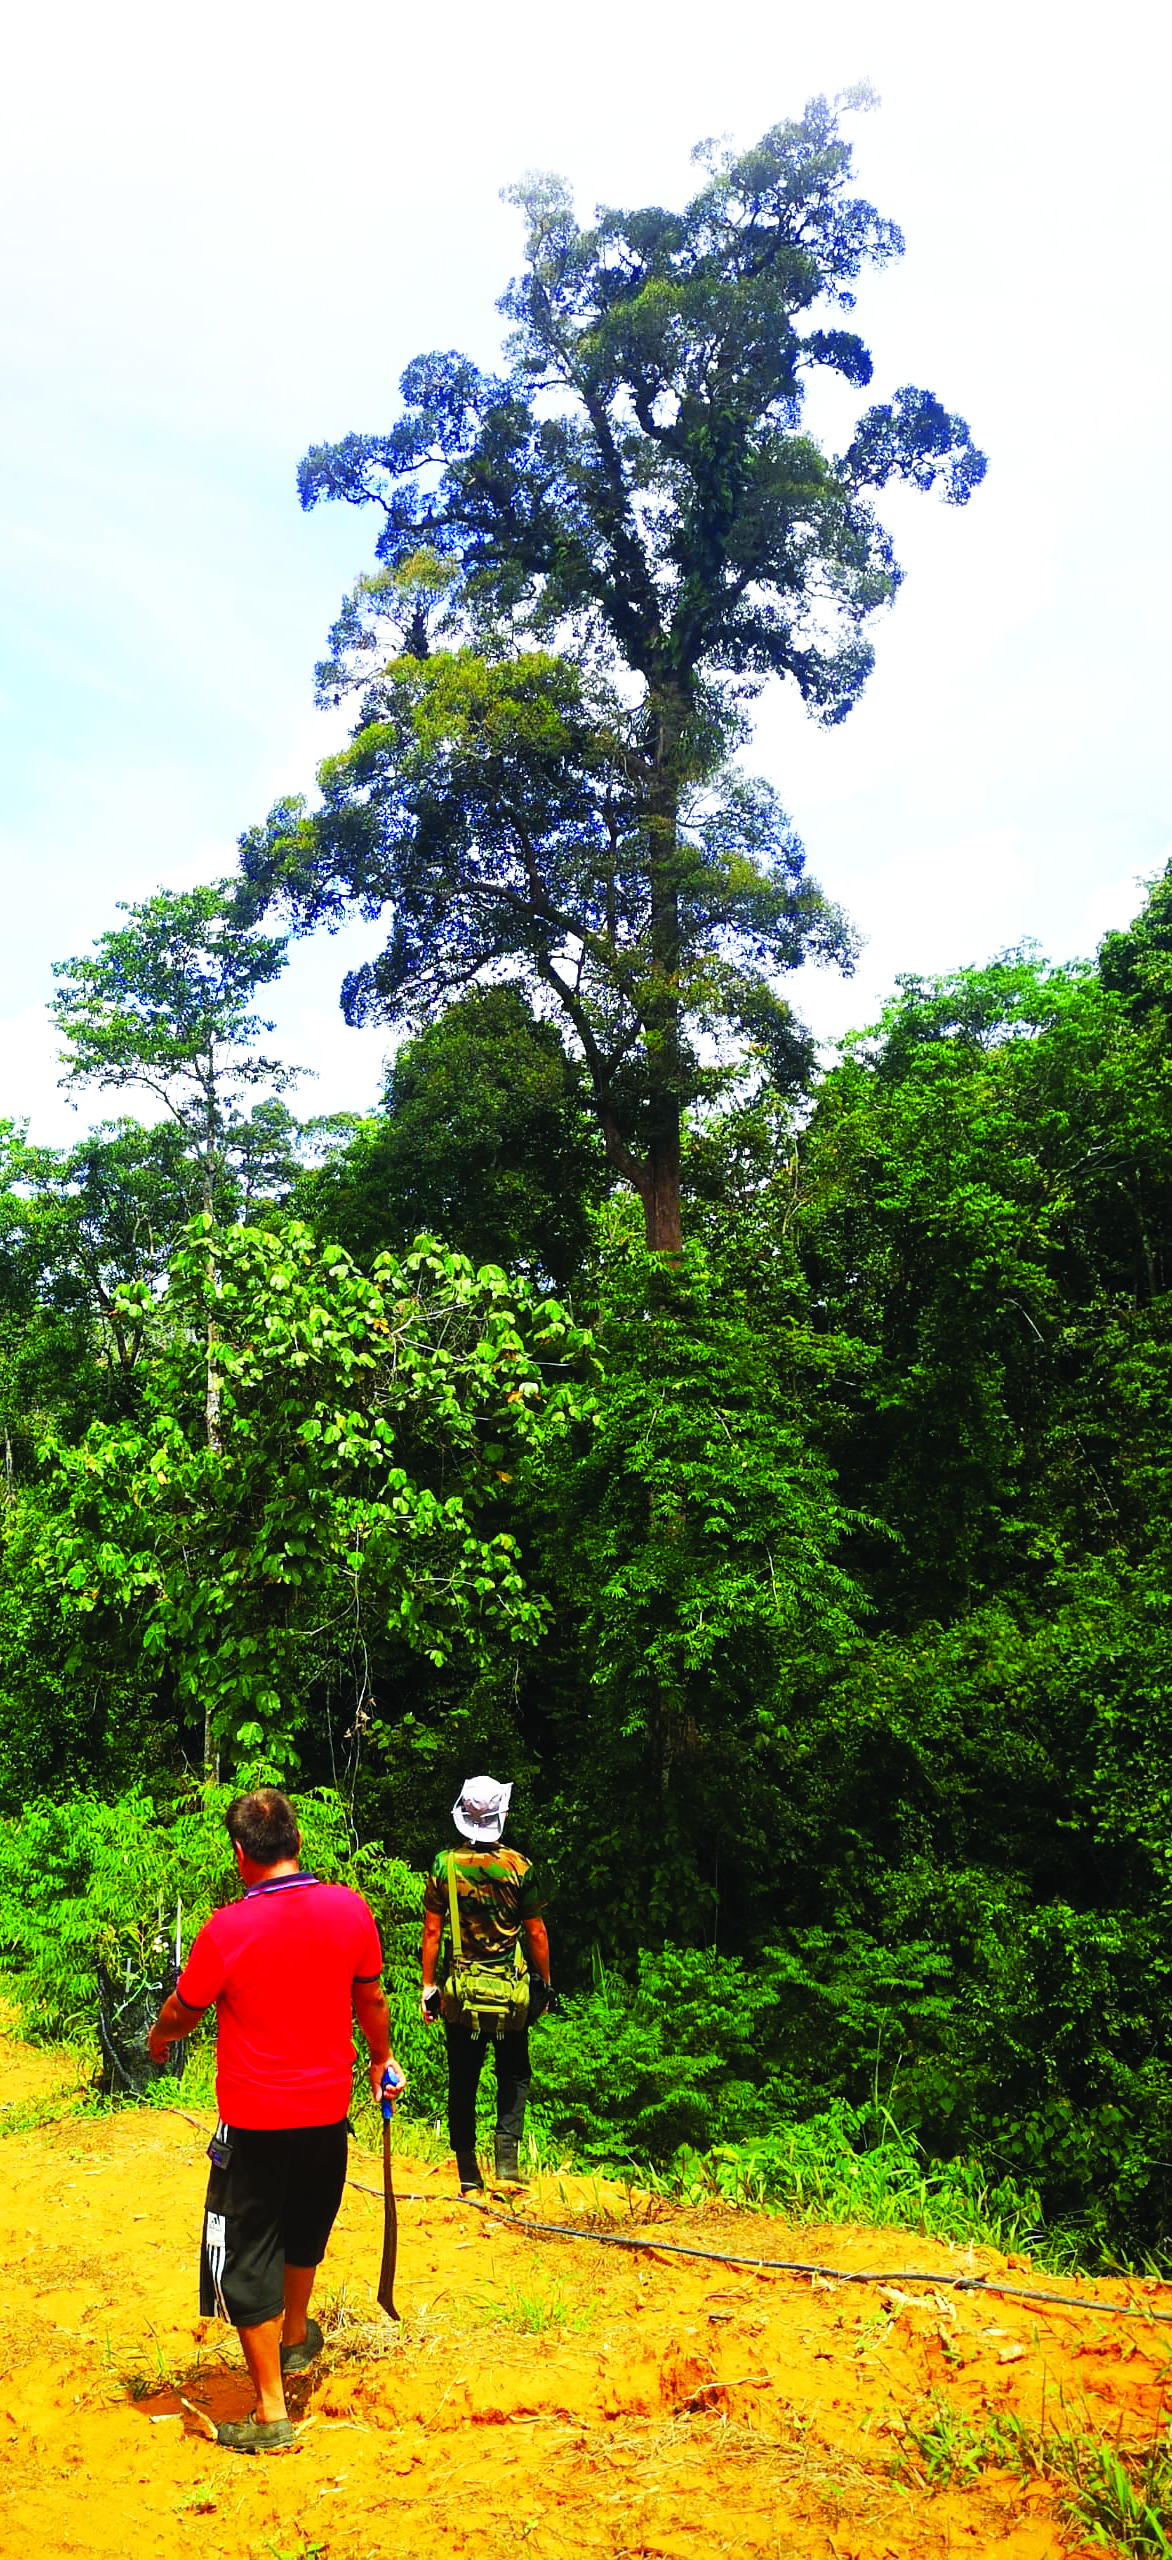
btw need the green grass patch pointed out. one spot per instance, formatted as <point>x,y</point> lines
<point>534,2311</point>
<point>1118,2495</point>
<point>27,2115</point>
<point>853,2165</point>
<point>945,2448</point>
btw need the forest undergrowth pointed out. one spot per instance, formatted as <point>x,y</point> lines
<point>91,1884</point>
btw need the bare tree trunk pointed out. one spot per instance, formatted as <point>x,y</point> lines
<point>660,1194</point>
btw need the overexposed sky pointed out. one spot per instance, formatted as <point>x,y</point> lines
<point>222,235</point>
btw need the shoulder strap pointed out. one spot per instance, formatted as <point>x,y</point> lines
<point>452,1906</point>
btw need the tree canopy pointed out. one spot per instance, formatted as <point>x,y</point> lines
<point>164,1004</point>
<point>589,563</point>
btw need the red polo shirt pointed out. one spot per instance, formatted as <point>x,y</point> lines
<point>281,1965</point>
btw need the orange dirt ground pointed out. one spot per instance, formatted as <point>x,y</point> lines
<point>561,2397</point>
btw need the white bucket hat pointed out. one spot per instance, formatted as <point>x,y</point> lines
<point>480,1808</point>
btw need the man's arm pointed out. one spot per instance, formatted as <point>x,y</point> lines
<point>433,1930</point>
<point>538,1945</point>
<point>370,2009</point>
<point>175,2020</point>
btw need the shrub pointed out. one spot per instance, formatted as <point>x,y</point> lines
<point>84,1882</point>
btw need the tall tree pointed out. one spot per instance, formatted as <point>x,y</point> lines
<point>629,532</point>
<point>163,1005</point>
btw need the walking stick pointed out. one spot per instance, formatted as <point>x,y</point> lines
<point>391,2082</point>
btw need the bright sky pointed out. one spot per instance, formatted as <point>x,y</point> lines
<point>223,233</point>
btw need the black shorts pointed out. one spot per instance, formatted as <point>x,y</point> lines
<point>273,2206</point>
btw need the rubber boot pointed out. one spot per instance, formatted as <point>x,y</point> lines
<point>468,2172</point>
<point>508,2166</point>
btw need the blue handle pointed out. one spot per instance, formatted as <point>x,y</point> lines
<point>392,2079</point>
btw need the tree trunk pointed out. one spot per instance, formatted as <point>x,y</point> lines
<point>211,1756</point>
<point>660,1192</point>
<point>655,1174</point>
<point>213,1396</point>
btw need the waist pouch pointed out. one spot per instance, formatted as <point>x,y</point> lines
<point>491,1998</point>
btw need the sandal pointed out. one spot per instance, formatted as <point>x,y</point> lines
<point>297,2359</point>
<point>256,2435</point>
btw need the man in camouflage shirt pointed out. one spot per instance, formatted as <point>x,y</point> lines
<point>496,1902</point>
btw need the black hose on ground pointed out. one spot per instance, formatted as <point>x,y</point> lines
<point>794,2266</point>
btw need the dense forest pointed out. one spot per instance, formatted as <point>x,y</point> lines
<point>761,1459</point>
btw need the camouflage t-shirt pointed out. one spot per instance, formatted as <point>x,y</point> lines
<point>495,1893</point>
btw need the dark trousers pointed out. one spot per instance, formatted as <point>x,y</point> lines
<point>270,2206</point>
<point>466,2054</point>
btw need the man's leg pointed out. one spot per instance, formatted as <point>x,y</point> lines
<point>465,2063</point>
<point>512,2091</point>
<point>241,2272</point>
<point>298,2287</point>
<point>262,2355</point>
<point>317,2179</point>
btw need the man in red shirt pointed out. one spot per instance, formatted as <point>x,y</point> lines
<point>287,1967</point>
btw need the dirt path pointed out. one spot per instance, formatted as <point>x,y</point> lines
<point>570,2399</point>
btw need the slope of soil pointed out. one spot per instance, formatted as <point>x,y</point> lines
<point>572,2398</point>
